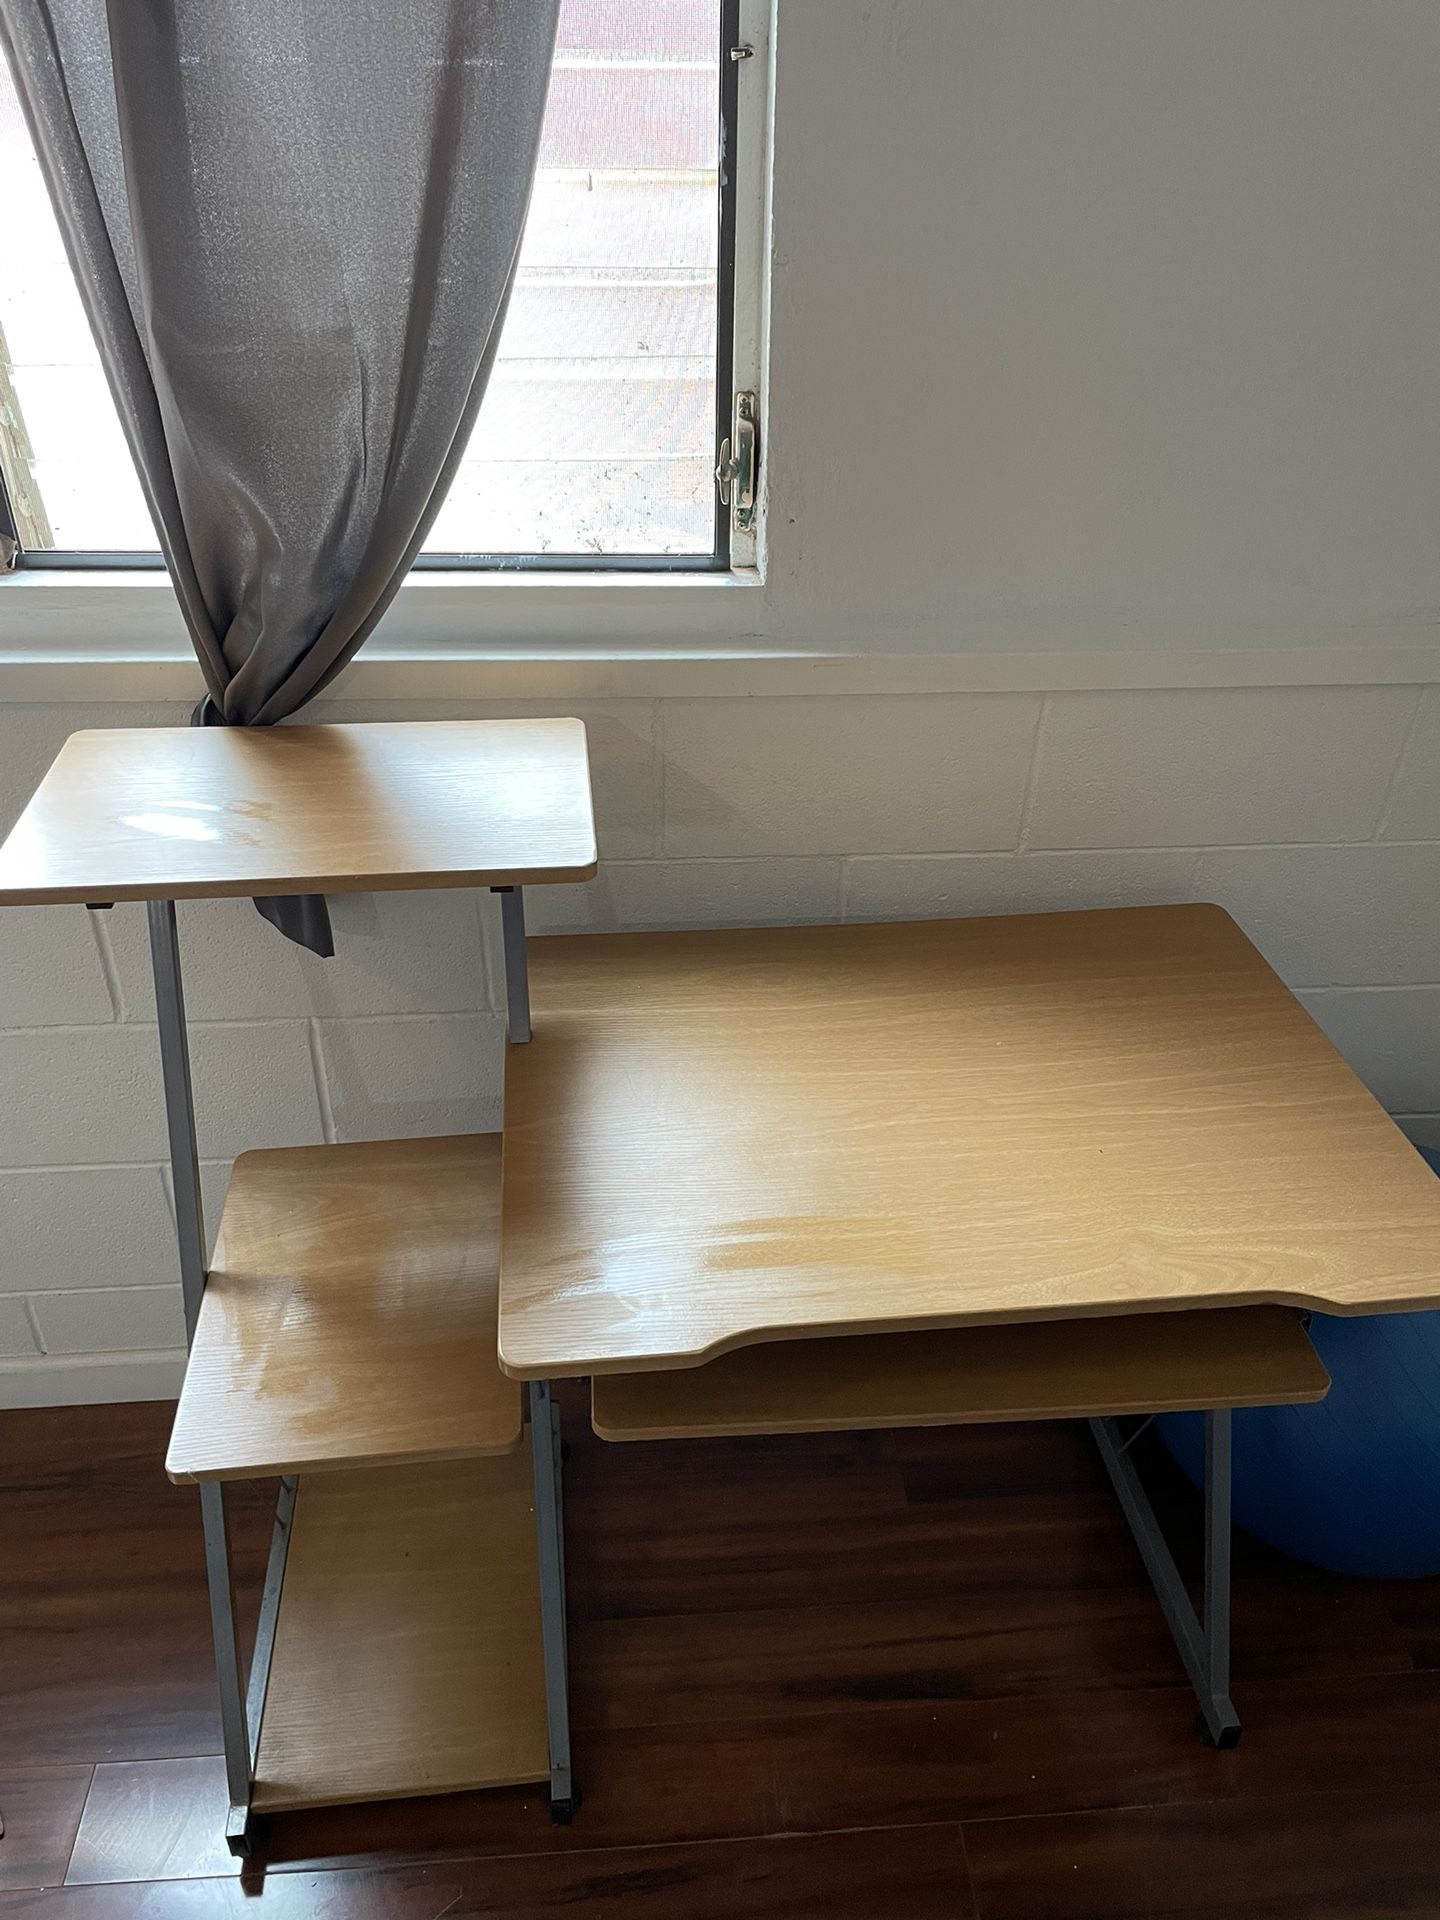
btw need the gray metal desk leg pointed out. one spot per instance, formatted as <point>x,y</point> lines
<point>1217,1575</point>
<point>550,1538</point>
<point>517,977</point>
<point>1205,1649</point>
<point>190,1234</point>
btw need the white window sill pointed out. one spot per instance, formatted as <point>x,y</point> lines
<point>94,635</point>
<point>57,605</point>
<point>118,637</point>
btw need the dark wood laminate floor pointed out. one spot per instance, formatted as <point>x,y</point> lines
<point>911,1675</point>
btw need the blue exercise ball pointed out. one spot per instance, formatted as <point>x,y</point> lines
<point>1353,1482</point>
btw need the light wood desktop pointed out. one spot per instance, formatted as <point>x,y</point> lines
<point>722,1138</point>
<point>178,813</point>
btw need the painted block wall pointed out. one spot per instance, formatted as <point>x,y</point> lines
<point>1313,814</point>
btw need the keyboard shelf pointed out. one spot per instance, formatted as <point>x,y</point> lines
<point>1048,1370</point>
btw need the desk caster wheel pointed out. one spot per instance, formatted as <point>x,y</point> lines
<point>1222,1741</point>
<point>562,1812</point>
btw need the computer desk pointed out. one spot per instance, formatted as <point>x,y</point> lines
<point>947,1171</point>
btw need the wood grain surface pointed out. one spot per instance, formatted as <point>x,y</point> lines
<point>1050,1370</point>
<point>350,1314</point>
<point>407,1652</point>
<point>143,813</point>
<point>718,1138</point>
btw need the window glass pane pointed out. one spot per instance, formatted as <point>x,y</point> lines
<point>597,431</point>
<point>66,462</point>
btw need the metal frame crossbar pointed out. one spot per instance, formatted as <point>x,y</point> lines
<point>1203,1643</point>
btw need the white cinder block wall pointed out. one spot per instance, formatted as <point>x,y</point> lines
<point>1313,814</point>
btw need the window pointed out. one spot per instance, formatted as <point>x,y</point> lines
<point>598,438</point>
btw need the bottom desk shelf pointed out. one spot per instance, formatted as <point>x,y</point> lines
<point>407,1653</point>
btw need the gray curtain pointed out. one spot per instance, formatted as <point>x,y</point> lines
<point>294,224</point>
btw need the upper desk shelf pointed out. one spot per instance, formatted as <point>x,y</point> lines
<point>182,813</point>
<point>720,1138</point>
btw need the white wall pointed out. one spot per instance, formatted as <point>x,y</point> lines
<point>1099,315</point>
<point>1097,324</point>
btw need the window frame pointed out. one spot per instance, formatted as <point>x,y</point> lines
<point>739,154</point>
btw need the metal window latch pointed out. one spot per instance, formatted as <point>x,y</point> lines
<point>739,463</point>
<point>743,52</point>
